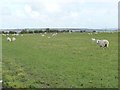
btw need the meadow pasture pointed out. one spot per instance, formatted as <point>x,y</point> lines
<point>67,60</point>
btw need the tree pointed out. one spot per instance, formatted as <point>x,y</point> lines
<point>47,30</point>
<point>31,32</point>
<point>24,31</point>
<point>36,31</point>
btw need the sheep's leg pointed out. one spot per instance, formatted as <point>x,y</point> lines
<point>101,46</point>
<point>105,45</point>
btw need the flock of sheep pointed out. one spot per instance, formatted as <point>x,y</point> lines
<point>54,34</point>
<point>11,39</point>
<point>101,43</point>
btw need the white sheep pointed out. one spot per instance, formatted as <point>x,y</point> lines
<point>42,35</point>
<point>102,43</point>
<point>89,33</point>
<point>13,34</point>
<point>21,34</point>
<point>93,39</point>
<point>96,33</point>
<point>45,33</point>
<point>16,34</point>
<point>48,37</point>
<point>0,81</point>
<point>3,34</point>
<point>54,34</point>
<point>13,38</point>
<point>9,39</point>
<point>7,34</point>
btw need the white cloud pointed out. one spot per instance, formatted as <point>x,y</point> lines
<point>74,14</point>
<point>26,12</point>
<point>30,12</point>
<point>19,13</point>
<point>59,12</point>
<point>52,7</point>
<point>28,8</point>
<point>104,1</point>
<point>35,14</point>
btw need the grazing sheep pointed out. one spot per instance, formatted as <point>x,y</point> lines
<point>89,33</point>
<point>0,81</point>
<point>13,39</point>
<point>14,34</point>
<point>42,35</point>
<point>96,33</point>
<point>103,43</point>
<point>54,34</point>
<point>21,34</point>
<point>17,34</point>
<point>9,39</point>
<point>7,34</point>
<point>45,33</point>
<point>3,34</point>
<point>93,39</point>
<point>70,31</point>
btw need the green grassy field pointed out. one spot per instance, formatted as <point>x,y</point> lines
<point>66,60</point>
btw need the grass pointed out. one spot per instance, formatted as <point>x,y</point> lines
<point>66,60</point>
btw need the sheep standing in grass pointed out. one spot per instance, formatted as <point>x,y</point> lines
<point>93,39</point>
<point>42,35</point>
<point>54,34</point>
<point>7,34</point>
<point>48,37</point>
<point>9,39</point>
<point>21,34</point>
<point>0,81</point>
<point>13,39</point>
<point>17,34</point>
<point>103,43</point>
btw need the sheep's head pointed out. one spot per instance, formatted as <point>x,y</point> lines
<point>97,41</point>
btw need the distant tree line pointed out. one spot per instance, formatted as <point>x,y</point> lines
<point>47,30</point>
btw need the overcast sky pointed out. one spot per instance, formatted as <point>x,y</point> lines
<point>59,13</point>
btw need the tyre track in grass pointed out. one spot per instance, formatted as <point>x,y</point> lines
<point>16,75</point>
